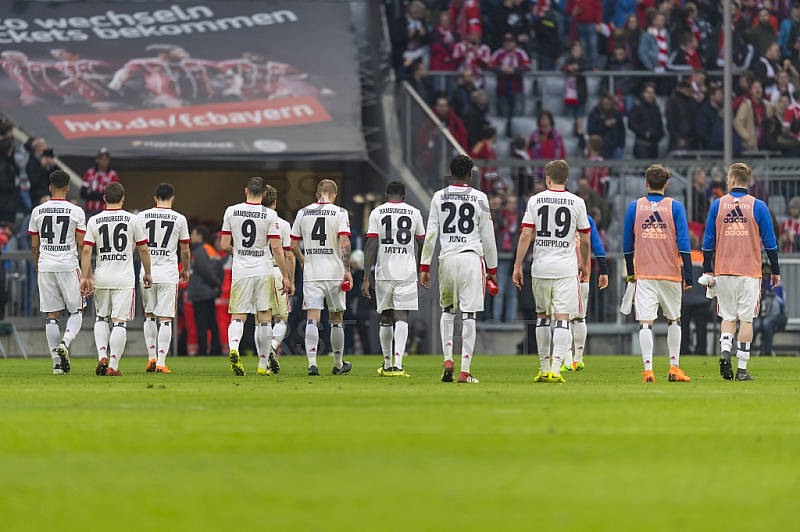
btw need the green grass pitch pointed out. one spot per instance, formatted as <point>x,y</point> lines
<point>203,450</point>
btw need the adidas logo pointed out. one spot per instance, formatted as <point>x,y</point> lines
<point>654,227</point>
<point>103,348</point>
<point>161,351</point>
<point>738,222</point>
<point>312,350</point>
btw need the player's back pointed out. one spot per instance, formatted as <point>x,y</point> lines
<point>165,230</point>
<point>461,211</point>
<point>555,217</point>
<point>284,230</point>
<point>250,225</point>
<point>56,222</point>
<point>396,225</point>
<point>319,226</point>
<point>114,233</point>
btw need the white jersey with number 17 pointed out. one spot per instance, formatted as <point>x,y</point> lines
<point>396,225</point>
<point>165,230</point>
<point>555,216</point>
<point>319,226</point>
<point>461,221</point>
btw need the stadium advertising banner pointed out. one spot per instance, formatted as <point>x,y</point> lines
<point>205,80</point>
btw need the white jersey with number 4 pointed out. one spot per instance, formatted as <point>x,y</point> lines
<point>114,233</point>
<point>250,225</point>
<point>461,221</point>
<point>165,230</point>
<point>396,225</point>
<point>555,216</point>
<point>319,226</point>
<point>56,222</point>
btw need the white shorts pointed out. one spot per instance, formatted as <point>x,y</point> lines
<point>738,298</point>
<point>584,302</point>
<point>160,299</point>
<point>649,294</point>
<point>317,293</point>
<point>60,290</point>
<point>114,303</point>
<point>462,282</point>
<point>251,294</point>
<point>282,306</point>
<point>396,295</point>
<point>558,296</point>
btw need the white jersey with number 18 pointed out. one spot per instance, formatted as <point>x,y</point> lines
<point>396,225</point>
<point>555,216</point>
<point>114,233</point>
<point>165,230</point>
<point>319,226</point>
<point>461,221</point>
<point>250,225</point>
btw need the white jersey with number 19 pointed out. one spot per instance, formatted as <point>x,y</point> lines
<point>250,225</point>
<point>114,233</point>
<point>165,229</point>
<point>319,226</point>
<point>460,219</point>
<point>555,216</point>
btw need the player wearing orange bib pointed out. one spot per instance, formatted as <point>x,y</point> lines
<point>655,241</point>
<point>738,224</point>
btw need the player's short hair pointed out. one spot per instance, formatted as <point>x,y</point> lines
<point>657,176</point>
<point>327,187</point>
<point>114,192</point>
<point>741,173</point>
<point>270,195</point>
<point>557,171</point>
<point>396,188</point>
<point>255,186</point>
<point>202,230</point>
<point>59,179</point>
<point>595,143</point>
<point>165,191</point>
<point>461,167</point>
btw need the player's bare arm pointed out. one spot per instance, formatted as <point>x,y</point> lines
<point>344,241</point>
<point>144,256</point>
<point>226,244</point>
<point>586,249</point>
<point>522,250</point>
<point>370,252</point>
<point>280,262</point>
<point>298,253</point>
<point>79,236</point>
<point>186,259</point>
<point>288,256</point>
<point>35,252</point>
<point>87,284</point>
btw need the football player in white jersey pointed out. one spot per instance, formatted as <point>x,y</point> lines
<point>114,233</point>
<point>324,230</point>
<point>280,312</point>
<point>57,229</point>
<point>462,224</point>
<point>248,233</point>
<point>167,232</point>
<point>555,215</point>
<point>393,229</point>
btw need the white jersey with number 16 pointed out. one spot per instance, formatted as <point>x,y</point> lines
<point>114,233</point>
<point>319,226</point>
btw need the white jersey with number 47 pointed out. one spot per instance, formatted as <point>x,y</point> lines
<point>165,229</point>
<point>396,225</point>
<point>461,221</point>
<point>555,216</point>
<point>56,222</point>
<point>319,226</point>
<point>114,233</point>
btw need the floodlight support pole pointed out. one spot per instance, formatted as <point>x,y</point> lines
<point>727,83</point>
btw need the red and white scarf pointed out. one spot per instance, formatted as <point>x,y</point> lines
<point>663,49</point>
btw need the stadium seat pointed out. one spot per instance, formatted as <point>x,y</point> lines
<point>499,123</point>
<point>777,206</point>
<point>553,95</point>
<point>593,86</point>
<point>571,146</point>
<point>503,148</point>
<point>522,125</point>
<point>490,86</point>
<point>565,126</point>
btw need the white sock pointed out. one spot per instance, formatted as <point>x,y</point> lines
<point>264,334</point>
<point>562,339</point>
<point>646,343</point>
<point>117,341</point>
<point>150,337</point>
<point>742,354</point>
<point>446,326</point>
<point>235,332</point>
<point>674,343</point>
<point>278,332</point>
<point>468,334</point>
<point>726,342</point>
<point>101,338</point>
<point>579,331</point>
<point>73,327</point>
<point>164,342</point>
<point>386,335</point>
<point>257,341</point>
<point>53,334</point>
<point>400,338</point>
<point>337,343</point>
<point>543,336</point>
<point>312,341</point>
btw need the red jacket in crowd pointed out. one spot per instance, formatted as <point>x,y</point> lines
<point>464,14</point>
<point>585,11</point>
